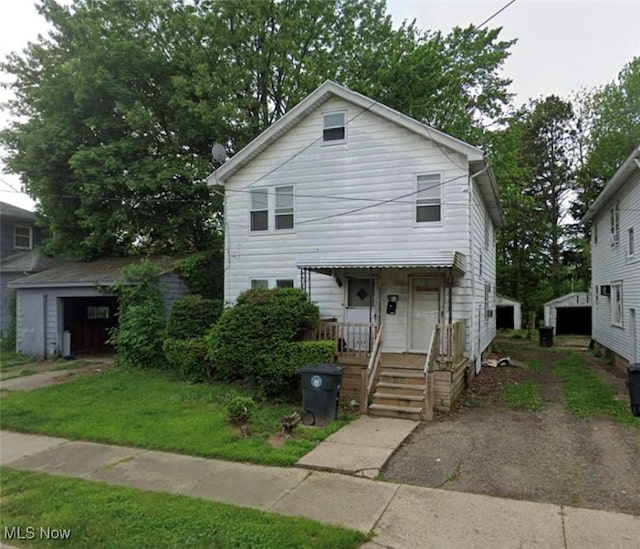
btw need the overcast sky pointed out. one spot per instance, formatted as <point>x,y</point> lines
<point>563,45</point>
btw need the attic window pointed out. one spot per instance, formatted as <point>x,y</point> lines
<point>22,237</point>
<point>334,127</point>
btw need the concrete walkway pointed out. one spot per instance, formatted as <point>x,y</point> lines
<point>398,516</point>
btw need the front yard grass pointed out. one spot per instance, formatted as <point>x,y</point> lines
<point>98,515</point>
<point>149,409</point>
<point>587,394</point>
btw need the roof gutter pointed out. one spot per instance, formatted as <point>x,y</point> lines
<point>614,184</point>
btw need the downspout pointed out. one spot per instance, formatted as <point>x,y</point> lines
<point>45,298</point>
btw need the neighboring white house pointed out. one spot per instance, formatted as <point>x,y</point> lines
<point>380,218</point>
<point>615,261</point>
<point>508,313</point>
<point>569,314</point>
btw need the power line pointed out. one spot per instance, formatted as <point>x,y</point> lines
<point>478,27</point>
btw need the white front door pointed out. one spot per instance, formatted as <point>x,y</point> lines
<point>423,316</point>
<point>360,310</point>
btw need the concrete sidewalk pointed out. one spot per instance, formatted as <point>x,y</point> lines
<point>398,516</point>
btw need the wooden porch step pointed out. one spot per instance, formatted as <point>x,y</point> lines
<point>404,412</point>
<point>406,401</point>
<point>406,377</point>
<point>401,388</point>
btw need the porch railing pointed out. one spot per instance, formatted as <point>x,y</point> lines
<point>353,339</point>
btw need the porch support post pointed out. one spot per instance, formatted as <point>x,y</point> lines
<point>427,413</point>
<point>450,281</point>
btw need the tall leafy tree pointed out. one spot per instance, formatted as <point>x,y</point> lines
<point>116,110</point>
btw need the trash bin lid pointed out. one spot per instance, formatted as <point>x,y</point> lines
<point>322,369</point>
<point>634,367</point>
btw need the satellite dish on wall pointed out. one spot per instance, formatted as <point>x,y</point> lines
<point>218,153</point>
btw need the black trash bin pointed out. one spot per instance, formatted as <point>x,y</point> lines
<point>633,382</point>
<point>546,336</point>
<point>320,392</point>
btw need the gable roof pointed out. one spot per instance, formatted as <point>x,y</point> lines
<point>13,213</point>
<point>27,262</point>
<point>329,89</point>
<point>103,272</point>
<point>614,185</point>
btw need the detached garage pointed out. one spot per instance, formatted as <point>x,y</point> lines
<point>71,299</point>
<point>569,314</point>
<point>508,314</point>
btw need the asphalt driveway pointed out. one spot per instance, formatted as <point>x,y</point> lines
<point>549,455</point>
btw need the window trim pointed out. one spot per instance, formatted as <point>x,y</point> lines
<point>418,204</point>
<point>30,236</point>
<point>344,126</point>
<point>276,215</point>
<point>259,283</point>
<point>616,304</point>
<point>253,210</point>
<point>614,219</point>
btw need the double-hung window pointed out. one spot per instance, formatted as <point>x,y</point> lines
<point>22,237</point>
<point>284,207</point>
<point>614,217</point>
<point>260,210</point>
<point>334,127</point>
<point>428,201</point>
<point>616,304</point>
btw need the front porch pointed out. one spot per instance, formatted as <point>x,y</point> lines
<point>408,385</point>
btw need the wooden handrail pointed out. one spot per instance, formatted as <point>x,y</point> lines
<point>430,352</point>
<point>374,359</point>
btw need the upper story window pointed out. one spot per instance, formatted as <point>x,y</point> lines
<point>284,207</point>
<point>260,210</point>
<point>616,304</point>
<point>334,126</point>
<point>486,231</point>
<point>614,216</point>
<point>22,237</point>
<point>428,198</point>
<point>632,244</point>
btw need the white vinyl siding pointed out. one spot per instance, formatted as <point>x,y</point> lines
<point>428,198</point>
<point>381,163</point>
<point>612,265</point>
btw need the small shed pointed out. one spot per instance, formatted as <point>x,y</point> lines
<point>508,313</point>
<point>569,314</point>
<point>73,298</point>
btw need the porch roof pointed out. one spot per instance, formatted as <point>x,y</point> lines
<point>326,264</point>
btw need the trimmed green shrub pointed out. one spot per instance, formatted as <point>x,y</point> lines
<point>192,316</point>
<point>274,374</point>
<point>263,320</point>
<point>141,318</point>
<point>239,409</point>
<point>188,358</point>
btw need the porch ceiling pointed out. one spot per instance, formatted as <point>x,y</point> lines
<point>326,264</point>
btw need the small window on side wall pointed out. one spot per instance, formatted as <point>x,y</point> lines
<point>334,127</point>
<point>616,304</point>
<point>259,284</point>
<point>284,283</point>
<point>260,210</point>
<point>22,237</point>
<point>632,244</point>
<point>428,202</point>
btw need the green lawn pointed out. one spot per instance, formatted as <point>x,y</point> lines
<point>99,516</point>
<point>151,410</point>
<point>11,359</point>
<point>587,394</point>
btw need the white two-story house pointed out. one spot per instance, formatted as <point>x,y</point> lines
<point>386,222</point>
<point>615,262</point>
